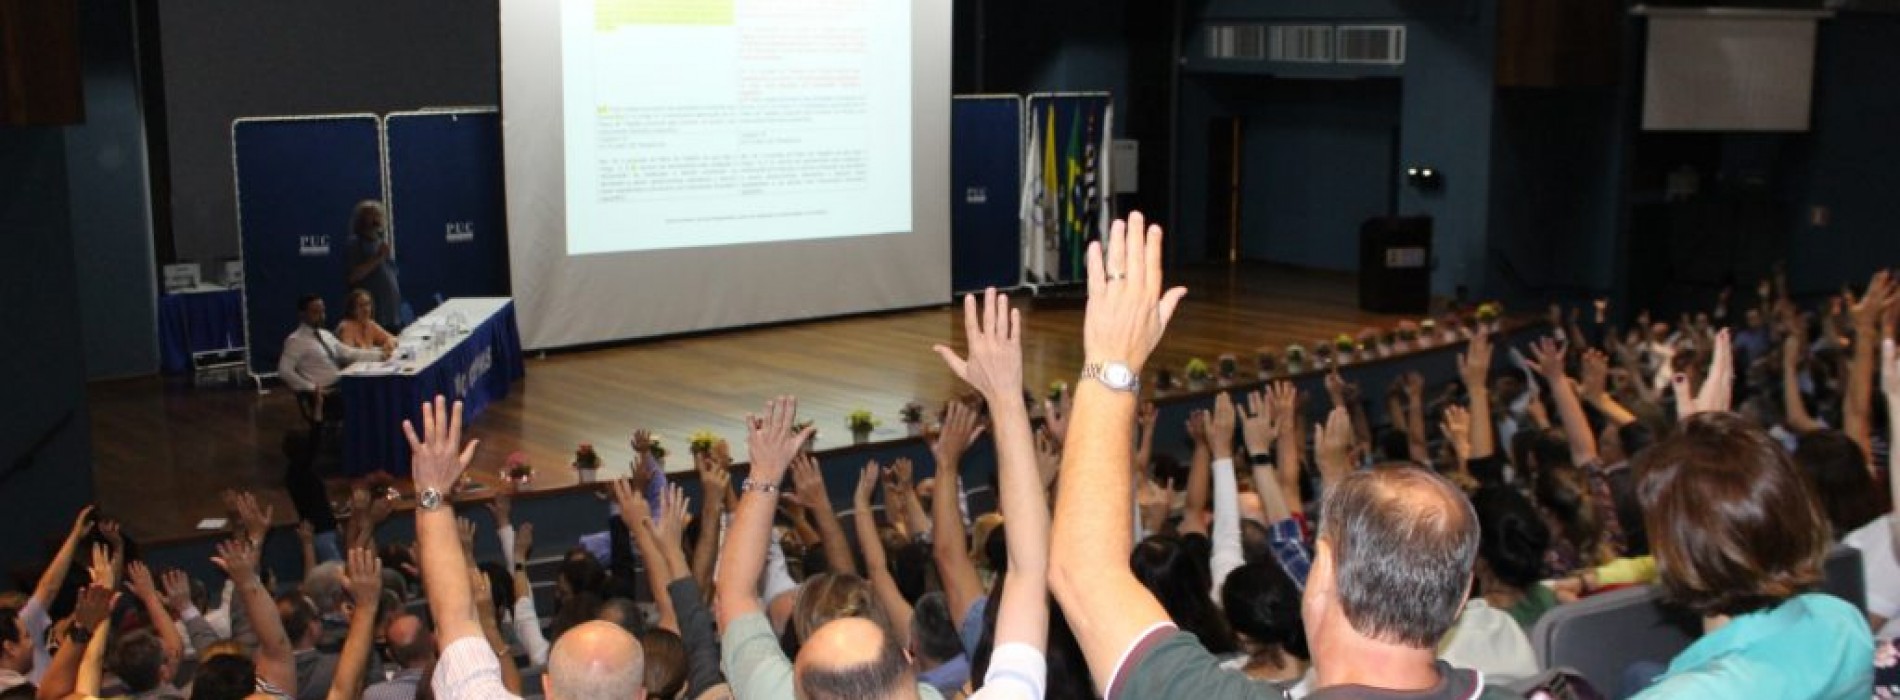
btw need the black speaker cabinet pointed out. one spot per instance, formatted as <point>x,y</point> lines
<point>1395,270</point>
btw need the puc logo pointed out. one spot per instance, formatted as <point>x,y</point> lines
<point>460,231</point>
<point>313,246</point>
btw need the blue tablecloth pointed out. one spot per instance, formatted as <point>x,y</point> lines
<point>477,370</point>
<point>192,322</point>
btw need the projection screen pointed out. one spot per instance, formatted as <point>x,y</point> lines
<point>686,165</point>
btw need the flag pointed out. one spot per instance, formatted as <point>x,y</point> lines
<point>1051,191</point>
<point>1091,179</point>
<point>1032,219</point>
<point>1072,196</point>
<point>1105,213</point>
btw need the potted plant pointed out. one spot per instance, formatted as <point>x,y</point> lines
<point>1264,363</point>
<point>517,469</point>
<point>1489,315</point>
<point>1164,381</point>
<point>1408,336</point>
<point>1295,358</point>
<point>913,415</point>
<point>1427,333</point>
<point>701,442</point>
<point>1385,342</point>
<point>586,461</point>
<point>1197,373</point>
<point>861,423</point>
<point>1228,369</point>
<point>1322,354</point>
<point>1057,389</point>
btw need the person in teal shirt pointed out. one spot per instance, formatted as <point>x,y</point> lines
<point>1738,538</point>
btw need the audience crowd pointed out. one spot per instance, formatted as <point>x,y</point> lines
<point>1718,459</point>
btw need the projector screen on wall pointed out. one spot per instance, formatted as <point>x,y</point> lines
<point>685,165</point>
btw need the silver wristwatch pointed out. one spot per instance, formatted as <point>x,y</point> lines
<point>1114,375</point>
<point>429,499</point>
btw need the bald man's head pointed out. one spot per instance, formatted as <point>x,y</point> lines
<point>1401,542</point>
<point>596,661</point>
<point>410,643</point>
<point>850,658</point>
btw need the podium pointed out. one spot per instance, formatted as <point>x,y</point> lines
<point>1395,271</point>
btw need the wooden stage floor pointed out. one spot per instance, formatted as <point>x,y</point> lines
<point>163,450</point>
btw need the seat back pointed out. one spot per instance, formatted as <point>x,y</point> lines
<point>1844,576</point>
<point>1603,635</point>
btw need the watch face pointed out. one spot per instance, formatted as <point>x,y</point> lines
<point>429,498</point>
<point>1118,375</point>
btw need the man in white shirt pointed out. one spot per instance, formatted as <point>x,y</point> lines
<point>313,355</point>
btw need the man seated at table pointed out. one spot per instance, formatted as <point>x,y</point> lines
<point>313,356</point>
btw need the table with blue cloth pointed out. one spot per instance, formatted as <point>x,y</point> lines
<point>195,321</point>
<point>466,349</point>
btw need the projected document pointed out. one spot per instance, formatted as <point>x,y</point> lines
<point>694,123</point>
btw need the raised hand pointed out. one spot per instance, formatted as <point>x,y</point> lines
<point>1197,421</point>
<point>1257,427</point>
<point>1048,459</point>
<point>438,458</point>
<point>94,604</point>
<point>1457,428</point>
<point>238,559</point>
<point>713,477</point>
<point>466,529</point>
<point>772,442</point>
<point>674,511</point>
<point>808,484</point>
<point>503,505</point>
<point>109,529</point>
<point>1220,427</point>
<point>140,579</point>
<point>524,541</point>
<point>177,591</point>
<point>867,484</point>
<point>365,573</point>
<point>1154,501</point>
<point>1145,418</point>
<point>1333,442</point>
<point>82,525</point>
<point>1055,415</point>
<point>255,515</point>
<point>1474,365</point>
<point>1336,387</point>
<point>104,569</point>
<point>1547,358</point>
<point>1286,401</point>
<point>1127,308</point>
<point>1717,387</point>
<point>306,533</point>
<point>634,510</point>
<point>1868,308</point>
<point>1414,385</point>
<point>995,364</point>
<point>959,430</point>
<point>1595,376</point>
<point>642,442</point>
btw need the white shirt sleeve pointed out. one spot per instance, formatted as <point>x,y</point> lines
<point>777,579</point>
<point>287,371</point>
<point>528,629</point>
<point>1227,554</point>
<point>37,621</point>
<point>506,534</point>
<point>1017,672</point>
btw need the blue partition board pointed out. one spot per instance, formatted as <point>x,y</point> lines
<point>298,178</point>
<point>986,175</point>
<point>445,202</point>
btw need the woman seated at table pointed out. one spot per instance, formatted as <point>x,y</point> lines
<point>359,328</point>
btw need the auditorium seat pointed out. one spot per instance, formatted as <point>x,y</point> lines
<point>1603,635</point>
<point>1843,576</point>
